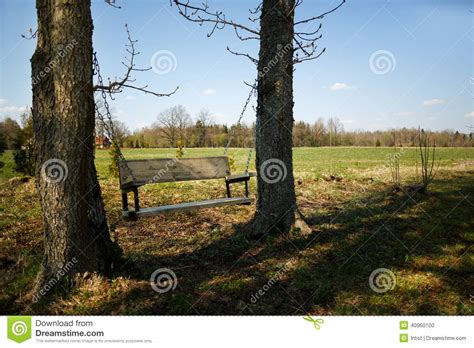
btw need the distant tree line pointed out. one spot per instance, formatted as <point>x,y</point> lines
<point>332,133</point>
<point>175,126</point>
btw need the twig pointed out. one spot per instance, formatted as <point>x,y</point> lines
<point>118,85</point>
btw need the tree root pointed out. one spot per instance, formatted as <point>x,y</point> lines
<point>261,225</point>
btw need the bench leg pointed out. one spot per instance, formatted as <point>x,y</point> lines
<point>124,203</point>
<point>246,182</point>
<point>136,199</point>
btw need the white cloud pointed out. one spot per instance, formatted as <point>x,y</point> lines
<point>209,91</point>
<point>469,115</point>
<point>12,111</point>
<point>347,121</point>
<point>130,97</point>
<point>433,102</point>
<point>339,86</point>
<point>404,113</point>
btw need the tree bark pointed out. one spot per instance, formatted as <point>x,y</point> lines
<point>76,234</point>
<point>276,201</point>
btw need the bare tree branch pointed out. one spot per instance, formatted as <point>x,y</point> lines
<point>254,17</point>
<point>321,16</point>
<point>250,85</point>
<point>31,34</point>
<point>252,59</point>
<point>112,3</point>
<point>305,40</point>
<point>203,15</point>
<point>310,56</point>
<point>118,85</point>
<point>245,38</point>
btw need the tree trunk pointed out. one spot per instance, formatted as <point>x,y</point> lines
<point>76,235</point>
<point>276,202</point>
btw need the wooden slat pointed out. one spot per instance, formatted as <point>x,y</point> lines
<point>188,206</point>
<point>172,169</point>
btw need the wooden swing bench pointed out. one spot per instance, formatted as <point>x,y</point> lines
<point>136,173</point>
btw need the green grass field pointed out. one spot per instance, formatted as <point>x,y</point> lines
<point>307,161</point>
<point>359,224</point>
<point>311,161</point>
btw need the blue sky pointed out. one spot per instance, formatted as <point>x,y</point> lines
<point>427,44</point>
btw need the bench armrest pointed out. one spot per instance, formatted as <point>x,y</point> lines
<point>245,177</point>
<point>239,177</point>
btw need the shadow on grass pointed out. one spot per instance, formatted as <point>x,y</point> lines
<point>425,240</point>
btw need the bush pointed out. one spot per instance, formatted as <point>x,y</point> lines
<point>114,153</point>
<point>232,162</point>
<point>179,148</point>
<point>24,158</point>
<point>25,161</point>
<point>3,147</point>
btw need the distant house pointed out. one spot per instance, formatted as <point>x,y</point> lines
<point>102,142</point>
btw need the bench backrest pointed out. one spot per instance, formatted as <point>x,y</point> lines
<point>150,171</point>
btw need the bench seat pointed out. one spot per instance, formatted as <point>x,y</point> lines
<point>209,203</point>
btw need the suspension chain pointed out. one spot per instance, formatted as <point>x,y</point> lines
<point>254,135</point>
<point>251,93</point>
<point>249,156</point>
<point>108,124</point>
